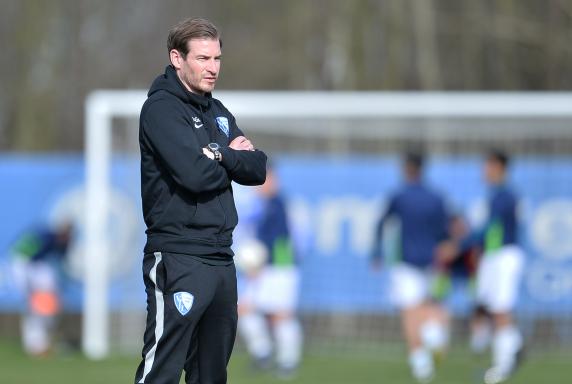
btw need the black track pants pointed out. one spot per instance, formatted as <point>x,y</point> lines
<point>191,319</point>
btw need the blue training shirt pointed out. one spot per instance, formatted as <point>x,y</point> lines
<point>38,244</point>
<point>423,221</point>
<point>501,227</point>
<point>272,230</point>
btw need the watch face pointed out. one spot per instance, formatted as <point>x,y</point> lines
<point>214,146</point>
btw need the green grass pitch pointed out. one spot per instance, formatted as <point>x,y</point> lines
<point>458,368</point>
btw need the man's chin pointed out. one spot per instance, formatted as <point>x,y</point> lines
<point>208,88</point>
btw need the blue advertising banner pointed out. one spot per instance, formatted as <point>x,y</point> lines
<point>334,204</point>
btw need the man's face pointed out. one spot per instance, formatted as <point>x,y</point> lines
<point>494,172</point>
<point>200,68</point>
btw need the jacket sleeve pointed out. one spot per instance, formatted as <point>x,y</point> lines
<point>244,167</point>
<point>171,139</point>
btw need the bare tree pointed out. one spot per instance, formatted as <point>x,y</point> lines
<point>55,52</point>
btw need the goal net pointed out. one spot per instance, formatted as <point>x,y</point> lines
<point>338,159</point>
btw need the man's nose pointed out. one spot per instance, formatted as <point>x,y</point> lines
<point>211,66</point>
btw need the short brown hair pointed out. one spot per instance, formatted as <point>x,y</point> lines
<point>498,156</point>
<point>189,29</point>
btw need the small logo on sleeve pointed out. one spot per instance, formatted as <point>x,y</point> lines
<point>183,302</point>
<point>222,123</point>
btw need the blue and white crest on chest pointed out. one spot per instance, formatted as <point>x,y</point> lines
<point>183,302</point>
<point>222,123</point>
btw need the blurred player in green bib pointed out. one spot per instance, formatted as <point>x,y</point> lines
<point>36,259</point>
<point>499,272</point>
<point>268,294</point>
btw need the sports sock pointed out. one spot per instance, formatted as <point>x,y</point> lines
<point>288,335</point>
<point>434,335</point>
<point>254,330</point>
<point>36,334</point>
<point>506,344</point>
<point>480,338</point>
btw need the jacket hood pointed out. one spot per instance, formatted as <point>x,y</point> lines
<point>170,82</point>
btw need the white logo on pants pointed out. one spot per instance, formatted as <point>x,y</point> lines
<point>183,302</point>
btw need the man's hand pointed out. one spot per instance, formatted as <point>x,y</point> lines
<point>446,252</point>
<point>241,143</point>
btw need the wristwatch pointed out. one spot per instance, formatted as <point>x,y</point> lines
<point>215,150</point>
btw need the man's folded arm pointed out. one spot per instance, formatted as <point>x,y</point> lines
<point>166,132</point>
<point>245,167</point>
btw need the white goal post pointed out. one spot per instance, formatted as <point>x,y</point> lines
<point>103,105</point>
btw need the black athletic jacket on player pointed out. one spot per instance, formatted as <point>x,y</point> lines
<point>188,204</point>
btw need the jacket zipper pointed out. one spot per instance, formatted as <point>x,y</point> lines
<point>209,132</point>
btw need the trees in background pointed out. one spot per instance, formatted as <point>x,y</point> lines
<point>54,53</point>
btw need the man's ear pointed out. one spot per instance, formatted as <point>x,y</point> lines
<point>176,58</point>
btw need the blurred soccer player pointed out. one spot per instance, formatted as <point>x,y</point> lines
<point>270,289</point>
<point>37,255</point>
<point>423,221</point>
<point>499,272</point>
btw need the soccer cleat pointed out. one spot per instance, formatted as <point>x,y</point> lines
<point>424,374</point>
<point>496,375</point>
<point>422,365</point>
<point>425,379</point>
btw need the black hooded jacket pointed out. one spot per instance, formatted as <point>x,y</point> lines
<point>188,204</point>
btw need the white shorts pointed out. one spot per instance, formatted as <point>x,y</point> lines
<point>498,278</point>
<point>34,276</point>
<point>409,285</point>
<point>274,289</point>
